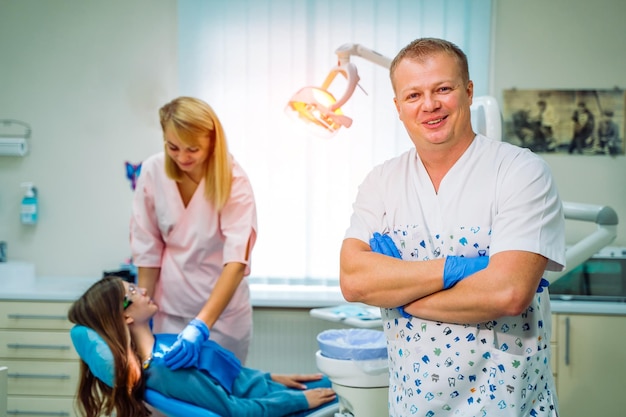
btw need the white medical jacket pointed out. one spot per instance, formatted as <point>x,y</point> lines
<point>497,197</point>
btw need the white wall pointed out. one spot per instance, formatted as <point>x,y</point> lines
<point>567,44</point>
<point>89,77</point>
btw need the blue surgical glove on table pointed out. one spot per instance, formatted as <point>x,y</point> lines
<point>185,352</point>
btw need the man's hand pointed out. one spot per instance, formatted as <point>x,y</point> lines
<point>456,268</point>
<point>384,245</point>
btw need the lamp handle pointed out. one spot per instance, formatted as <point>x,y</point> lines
<point>350,73</point>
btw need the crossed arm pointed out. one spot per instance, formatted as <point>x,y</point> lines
<point>505,288</point>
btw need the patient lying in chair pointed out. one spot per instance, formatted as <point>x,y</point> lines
<point>113,327</point>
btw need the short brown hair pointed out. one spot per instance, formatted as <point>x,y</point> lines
<point>422,48</point>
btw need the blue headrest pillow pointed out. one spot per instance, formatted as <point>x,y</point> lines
<point>95,352</point>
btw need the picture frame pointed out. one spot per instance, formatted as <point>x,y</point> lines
<point>580,122</point>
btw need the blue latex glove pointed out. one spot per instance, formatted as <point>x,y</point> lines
<point>458,267</point>
<point>186,350</point>
<point>383,244</point>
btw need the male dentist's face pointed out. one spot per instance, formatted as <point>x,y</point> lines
<point>433,101</point>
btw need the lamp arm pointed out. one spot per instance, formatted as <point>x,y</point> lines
<point>348,49</point>
<point>348,70</point>
<point>606,219</point>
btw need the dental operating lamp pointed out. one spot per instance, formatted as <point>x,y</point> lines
<point>317,107</point>
<point>321,112</point>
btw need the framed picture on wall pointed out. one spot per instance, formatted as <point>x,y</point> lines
<point>585,122</point>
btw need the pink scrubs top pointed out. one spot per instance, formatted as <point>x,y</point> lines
<point>191,245</point>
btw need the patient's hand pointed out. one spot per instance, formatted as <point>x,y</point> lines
<point>319,396</point>
<point>295,380</point>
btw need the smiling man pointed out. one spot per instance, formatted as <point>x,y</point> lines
<point>462,340</point>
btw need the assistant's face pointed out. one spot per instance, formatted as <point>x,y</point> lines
<point>433,101</point>
<point>189,159</point>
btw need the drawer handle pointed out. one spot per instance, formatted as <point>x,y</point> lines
<point>567,347</point>
<point>48,347</point>
<point>36,317</point>
<point>37,413</point>
<point>39,376</point>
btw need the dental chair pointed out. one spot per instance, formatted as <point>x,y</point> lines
<point>94,351</point>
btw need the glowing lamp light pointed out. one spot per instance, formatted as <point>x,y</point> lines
<point>317,108</point>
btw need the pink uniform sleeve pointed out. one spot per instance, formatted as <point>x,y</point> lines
<point>146,243</point>
<point>238,220</point>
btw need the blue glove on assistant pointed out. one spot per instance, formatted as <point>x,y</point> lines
<point>458,267</point>
<point>186,350</point>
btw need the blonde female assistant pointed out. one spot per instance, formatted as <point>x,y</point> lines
<point>192,232</point>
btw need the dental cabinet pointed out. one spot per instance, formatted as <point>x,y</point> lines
<point>589,335</point>
<point>42,364</point>
<point>35,346</point>
<point>589,361</point>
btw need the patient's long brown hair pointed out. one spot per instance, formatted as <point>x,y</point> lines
<point>101,309</point>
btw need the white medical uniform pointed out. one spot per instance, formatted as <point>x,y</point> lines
<point>191,245</point>
<point>497,197</point>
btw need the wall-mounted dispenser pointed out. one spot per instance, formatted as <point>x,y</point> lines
<point>14,143</point>
<point>29,210</point>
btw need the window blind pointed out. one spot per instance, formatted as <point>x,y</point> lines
<point>246,58</point>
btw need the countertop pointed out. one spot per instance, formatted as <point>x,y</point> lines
<point>262,295</point>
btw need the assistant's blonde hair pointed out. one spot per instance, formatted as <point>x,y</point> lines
<point>189,119</point>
